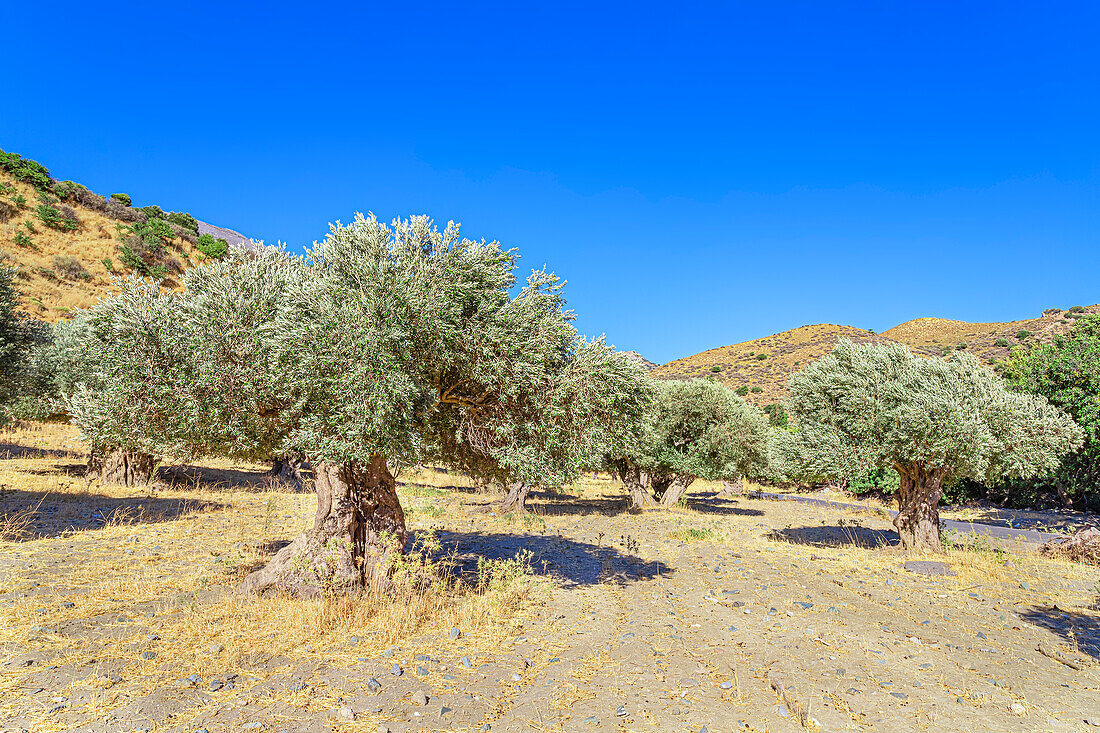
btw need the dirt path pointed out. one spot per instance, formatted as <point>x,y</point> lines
<point>745,614</point>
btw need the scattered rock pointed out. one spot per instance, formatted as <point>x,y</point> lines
<point>346,712</point>
<point>216,648</point>
<point>374,685</point>
<point>148,655</point>
<point>396,670</point>
<point>1017,709</point>
<point>592,720</point>
<point>455,633</point>
<point>465,661</point>
<point>928,567</point>
<point>419,698</point>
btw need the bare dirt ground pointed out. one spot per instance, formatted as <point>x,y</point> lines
<point>117,614</point>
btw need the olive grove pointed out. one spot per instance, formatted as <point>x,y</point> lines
<point>385,345</point>
<point>876,406</point>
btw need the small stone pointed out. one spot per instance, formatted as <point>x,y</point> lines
<point>899,695</point>
<point>592,720</point>
<point>347,713</point>
<point>726,685</point>
<point>465,661</point>
<point>516,677</point>
<point>374,685</point>
<point>388,653</point>
<point>981,635</point>
<point>216,648</point>
<point>216,685</point>
<point>806,605</point>
<point>454,633</point>
<point>353,640</point>
<point>419,698</point>
<point>194,679</point>
<point>152,637</point>
<point>148,655</point>
<point>1025,585</point>
<point>928,567</point>
<point>396,670</point>
<point>1017,709</point>
<point>383,728</point>
<point>421,671</point>
<point>621,711</point>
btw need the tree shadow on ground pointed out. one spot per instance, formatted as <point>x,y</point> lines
<point>560,505</point>
<point>202,477</point>
<point>14,450</point>
<point>575,563</point>
<point>721,505</point>
<point>842,535</point>
<point>1079,630</point>
<point>36,514</point>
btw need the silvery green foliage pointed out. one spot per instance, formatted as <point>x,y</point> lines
<point>868,406</point>
<point>401,341</point>
<point>125,370</point>
<point>702,429</point>
<point>21,339</point>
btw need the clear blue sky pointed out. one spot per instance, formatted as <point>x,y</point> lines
<point>701,174</point>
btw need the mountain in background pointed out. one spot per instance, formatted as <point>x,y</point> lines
<point>759,369</point>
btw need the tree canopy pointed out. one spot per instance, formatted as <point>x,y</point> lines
<point>875,406</point>
<point>694,429</point>
<point>1067,372</point>
<point>386,343</point>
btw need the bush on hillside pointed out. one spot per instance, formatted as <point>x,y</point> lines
<point>122,198</point>
<point>777,415</point>
<point>1022,334</point>
<point>1001,342</point>
<point>761,357</point>
<point>153,212</point>
<point>742,390</point>
<point>25,170</point>
<point>76,193</point>
<point>716,368</point>
<point>70,268</point>
<point>121,212</point>
<point>61,218</point>
<point>1077,309</point>
<point>756,390</point>
<point>211,247</point>
<point>185,220</point>
<point>7,211</point>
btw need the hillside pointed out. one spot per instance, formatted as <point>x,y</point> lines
<point>760,368</point>
<point>67,241</point>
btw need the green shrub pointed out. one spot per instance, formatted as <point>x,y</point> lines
<point>23,240</point>
<point>122,198</point>
<point>217,248</point>
<point>1022,334</point>
<point>109,264</point>
<point>19,200</point>
<point>761,357</point>
<point>70,268</point>
<point>154,232</point>
<point>1001,342</point>
<point>960,346</point>
<point>1077,309</point>
<point>714,368</point>
<point>756,390</point>
<point>26,170</point>
<point>153,212</point>
<point>884,480</point>
<point>30,226</point>
<point>742,390</point>
<point>185,220</point>
<point>61,218</point>
<point>777,415</point>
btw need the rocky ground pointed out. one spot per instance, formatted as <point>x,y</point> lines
<point>746,614</point>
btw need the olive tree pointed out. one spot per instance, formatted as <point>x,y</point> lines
<point>876,406</point>
<point>386,345</point>
<point>696,429</point>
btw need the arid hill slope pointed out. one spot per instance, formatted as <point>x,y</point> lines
<point>63,270</point>
<point>763,365</point>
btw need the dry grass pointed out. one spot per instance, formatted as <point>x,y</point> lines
<point>166,557</point>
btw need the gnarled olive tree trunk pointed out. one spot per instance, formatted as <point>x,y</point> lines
<point>732,488</point>
<point>359,522</point>
<point>675,490</point>
<point>516,498</point>
<point>121,467</point>
<point>290,467</point>
<point>918,519</point>
<point>635,480</point>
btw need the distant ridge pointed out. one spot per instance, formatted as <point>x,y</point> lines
<point>760,367</point>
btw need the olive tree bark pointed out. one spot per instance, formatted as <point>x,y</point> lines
<point>516,499</point>
<point>121,467</point>
<point>732,488</point>
<point>918,519</point>
<point>359,524</point>
<point>289,468</point>
<point>635,481</point>
<point>675,490</point>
